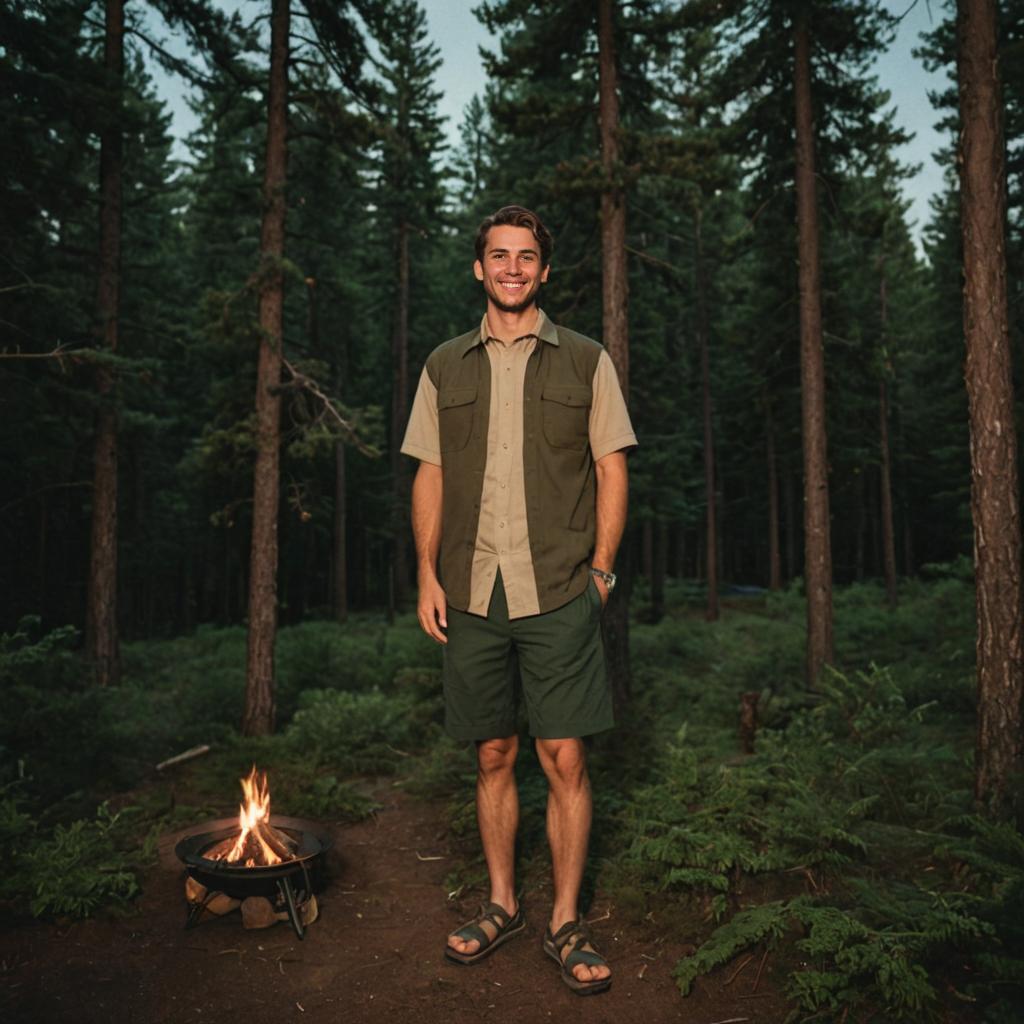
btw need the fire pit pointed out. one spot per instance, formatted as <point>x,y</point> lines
<point>255,855</point>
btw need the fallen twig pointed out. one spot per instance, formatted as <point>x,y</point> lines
<point>420,856</point>
<point>735,974</point>
<point>188,755</point>
<point>760,968</point>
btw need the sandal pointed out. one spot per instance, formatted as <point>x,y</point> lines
<point>506,926</point>
<point>575,932</point>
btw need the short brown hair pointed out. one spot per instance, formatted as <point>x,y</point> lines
<point>519,217</point>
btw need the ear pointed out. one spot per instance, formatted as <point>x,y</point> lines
<point>544,274</point>
<point>478,270</point>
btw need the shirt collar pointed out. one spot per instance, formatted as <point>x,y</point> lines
<point>543,329</point>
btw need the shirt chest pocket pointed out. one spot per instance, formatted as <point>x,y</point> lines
<point>455,417</point>
<point>565,409</point>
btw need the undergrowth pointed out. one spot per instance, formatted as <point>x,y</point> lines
<point>845,847</point>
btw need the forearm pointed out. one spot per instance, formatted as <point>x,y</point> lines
<point>427,493</point>
<point>612,500</point>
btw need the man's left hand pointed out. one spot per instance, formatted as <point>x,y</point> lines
<point>602,589</point>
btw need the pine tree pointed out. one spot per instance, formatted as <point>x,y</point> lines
<point>409,198</point>
<point>994,471</point>
<point>101,603</point>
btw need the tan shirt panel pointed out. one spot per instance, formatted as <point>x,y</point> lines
<point>502,540</point>
<point>503,537</point>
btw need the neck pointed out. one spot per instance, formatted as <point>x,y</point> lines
<point>506,327</point>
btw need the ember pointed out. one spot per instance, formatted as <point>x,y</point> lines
<point>258,843</point>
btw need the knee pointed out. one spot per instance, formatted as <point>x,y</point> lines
<point>498,756</point>
<point>564,761</point>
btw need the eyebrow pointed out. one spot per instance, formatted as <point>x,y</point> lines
<point>497,250</point>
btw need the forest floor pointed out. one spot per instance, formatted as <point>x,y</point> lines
<point>375,954</point>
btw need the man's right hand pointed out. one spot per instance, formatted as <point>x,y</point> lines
<point>432,610</point>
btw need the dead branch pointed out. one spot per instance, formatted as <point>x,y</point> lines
<point>329,409</point>
<point>188,755</point>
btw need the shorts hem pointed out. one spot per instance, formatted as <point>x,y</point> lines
<point>481,732</point>
<point>572,731</point>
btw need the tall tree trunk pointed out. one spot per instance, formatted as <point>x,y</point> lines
<point>711,611</point>
<point>258,716</point>
<point>658,570</point>
<point>340,560</point>
<point>614,324</point>
<point>399,411</point>
<point>994,485</point>
<point>774,554</point>
<point>885,464</point>
<point>817,540</point>
<point>101,603</point>
<point>789,499</point>
<point>860,554</point>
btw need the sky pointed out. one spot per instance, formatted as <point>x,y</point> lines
<point>459,36</point>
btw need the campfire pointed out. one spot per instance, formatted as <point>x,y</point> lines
<point>258,842</point>
<point>267,867</point>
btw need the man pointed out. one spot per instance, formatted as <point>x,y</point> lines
<point>518,507</point>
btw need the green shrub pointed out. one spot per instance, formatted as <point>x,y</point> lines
<point>73,870</point>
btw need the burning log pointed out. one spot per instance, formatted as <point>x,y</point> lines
<point>258,842</point>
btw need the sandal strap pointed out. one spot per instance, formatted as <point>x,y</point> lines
<point>471,931</point>
<point>576,932</point>
<point>493,914</point>
<point>567,932</point>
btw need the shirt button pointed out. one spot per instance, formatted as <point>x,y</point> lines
<point>504,446</point>
<point>503,485</point>
<point>501,526</point>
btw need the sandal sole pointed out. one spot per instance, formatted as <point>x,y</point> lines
<point>581,988</point>
<point>465,959</point>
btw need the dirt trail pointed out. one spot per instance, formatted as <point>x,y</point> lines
<point>375,955</point>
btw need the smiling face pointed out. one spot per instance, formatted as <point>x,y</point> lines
<point>511,269</point>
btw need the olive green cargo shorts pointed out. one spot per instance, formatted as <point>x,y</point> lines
<point>557,656</point>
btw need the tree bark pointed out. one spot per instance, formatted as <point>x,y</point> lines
<point>101,631</point>
<point>789,499</point>
<point>340,535</point>
<point>399,411</point>
<point>614,324</point>
<point>658,570</point>
<point>774,554</point>
<point>817,540</point>
<point>994,484</point>
<point>711,610</point>
<point>258,716</point>
<point>885,463</point>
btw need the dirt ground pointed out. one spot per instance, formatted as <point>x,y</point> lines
<point>374,955</point>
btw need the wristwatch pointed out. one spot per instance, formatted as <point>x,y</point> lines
<point>610,579</point>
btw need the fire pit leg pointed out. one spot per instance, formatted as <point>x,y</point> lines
<point>285,887</point>
<point>195,912</point>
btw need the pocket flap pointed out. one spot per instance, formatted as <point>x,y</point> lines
<point>576,395</point>
<point>455,396</point>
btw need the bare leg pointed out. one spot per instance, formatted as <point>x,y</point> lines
<point>570,809</point>
<point>497,811</point>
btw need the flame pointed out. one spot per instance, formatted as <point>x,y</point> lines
<point>253,815</point>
